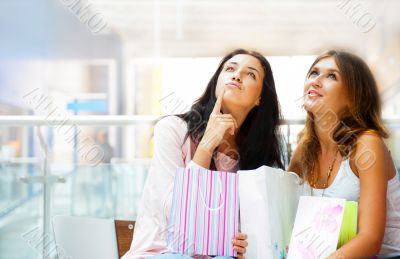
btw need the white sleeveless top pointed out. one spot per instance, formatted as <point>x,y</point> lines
<point>346,185</point>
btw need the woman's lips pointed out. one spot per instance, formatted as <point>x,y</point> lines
<point>314,93</point>
<point>234,85</point>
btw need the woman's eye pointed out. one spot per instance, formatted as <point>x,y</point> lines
<point>313,73</point>
<point>252,75</point>
<point>229,69</point>
<point>332,76</point>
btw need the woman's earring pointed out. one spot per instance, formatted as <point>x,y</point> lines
<point>258,102</point>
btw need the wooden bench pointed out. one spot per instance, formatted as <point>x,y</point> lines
<point>124,232</point>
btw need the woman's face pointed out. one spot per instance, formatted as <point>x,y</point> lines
<point>242,77</point>
<point>324,89</point>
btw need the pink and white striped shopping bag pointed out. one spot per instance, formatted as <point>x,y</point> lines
<point>205,212</point>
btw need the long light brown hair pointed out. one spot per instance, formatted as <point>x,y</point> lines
<point>363,115</point>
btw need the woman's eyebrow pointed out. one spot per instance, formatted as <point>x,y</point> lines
<point>252,68</point>
<point>334,70</point>
<point>328,69</point>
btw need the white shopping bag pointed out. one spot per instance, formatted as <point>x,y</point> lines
<point>268,205</point>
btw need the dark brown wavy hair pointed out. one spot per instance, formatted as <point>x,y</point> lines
<point>363,115</point>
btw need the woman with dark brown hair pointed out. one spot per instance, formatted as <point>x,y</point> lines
<point>226,129</point>
<point>341,152</point>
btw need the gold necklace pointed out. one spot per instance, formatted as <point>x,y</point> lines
<point>330,170</point>
<point>314,181</point>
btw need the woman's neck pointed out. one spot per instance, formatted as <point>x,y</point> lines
<point>238,114</point>
<point>324,131</point>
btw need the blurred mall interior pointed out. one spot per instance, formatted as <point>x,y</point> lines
<point>80,74</point>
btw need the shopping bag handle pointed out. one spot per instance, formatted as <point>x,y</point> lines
<point>220,196</point>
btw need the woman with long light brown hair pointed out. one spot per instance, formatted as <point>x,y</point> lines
<point>341,152</point>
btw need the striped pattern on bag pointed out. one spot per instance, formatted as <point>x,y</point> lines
<point>205,212</point>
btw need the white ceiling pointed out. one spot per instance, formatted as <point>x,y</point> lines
<point>286,27</point>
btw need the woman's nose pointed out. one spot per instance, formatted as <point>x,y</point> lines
<point>315,82</point>
<point>236,77</point>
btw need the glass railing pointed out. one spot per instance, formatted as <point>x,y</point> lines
<point>72,186</point>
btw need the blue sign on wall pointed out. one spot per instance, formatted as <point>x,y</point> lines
<point>99,106</point>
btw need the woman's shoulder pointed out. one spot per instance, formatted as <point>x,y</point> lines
<point>369,141</point>
<point>369,147</point>
<point>171,124</point>
<point>295,160</point>
<point>171,121</point>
